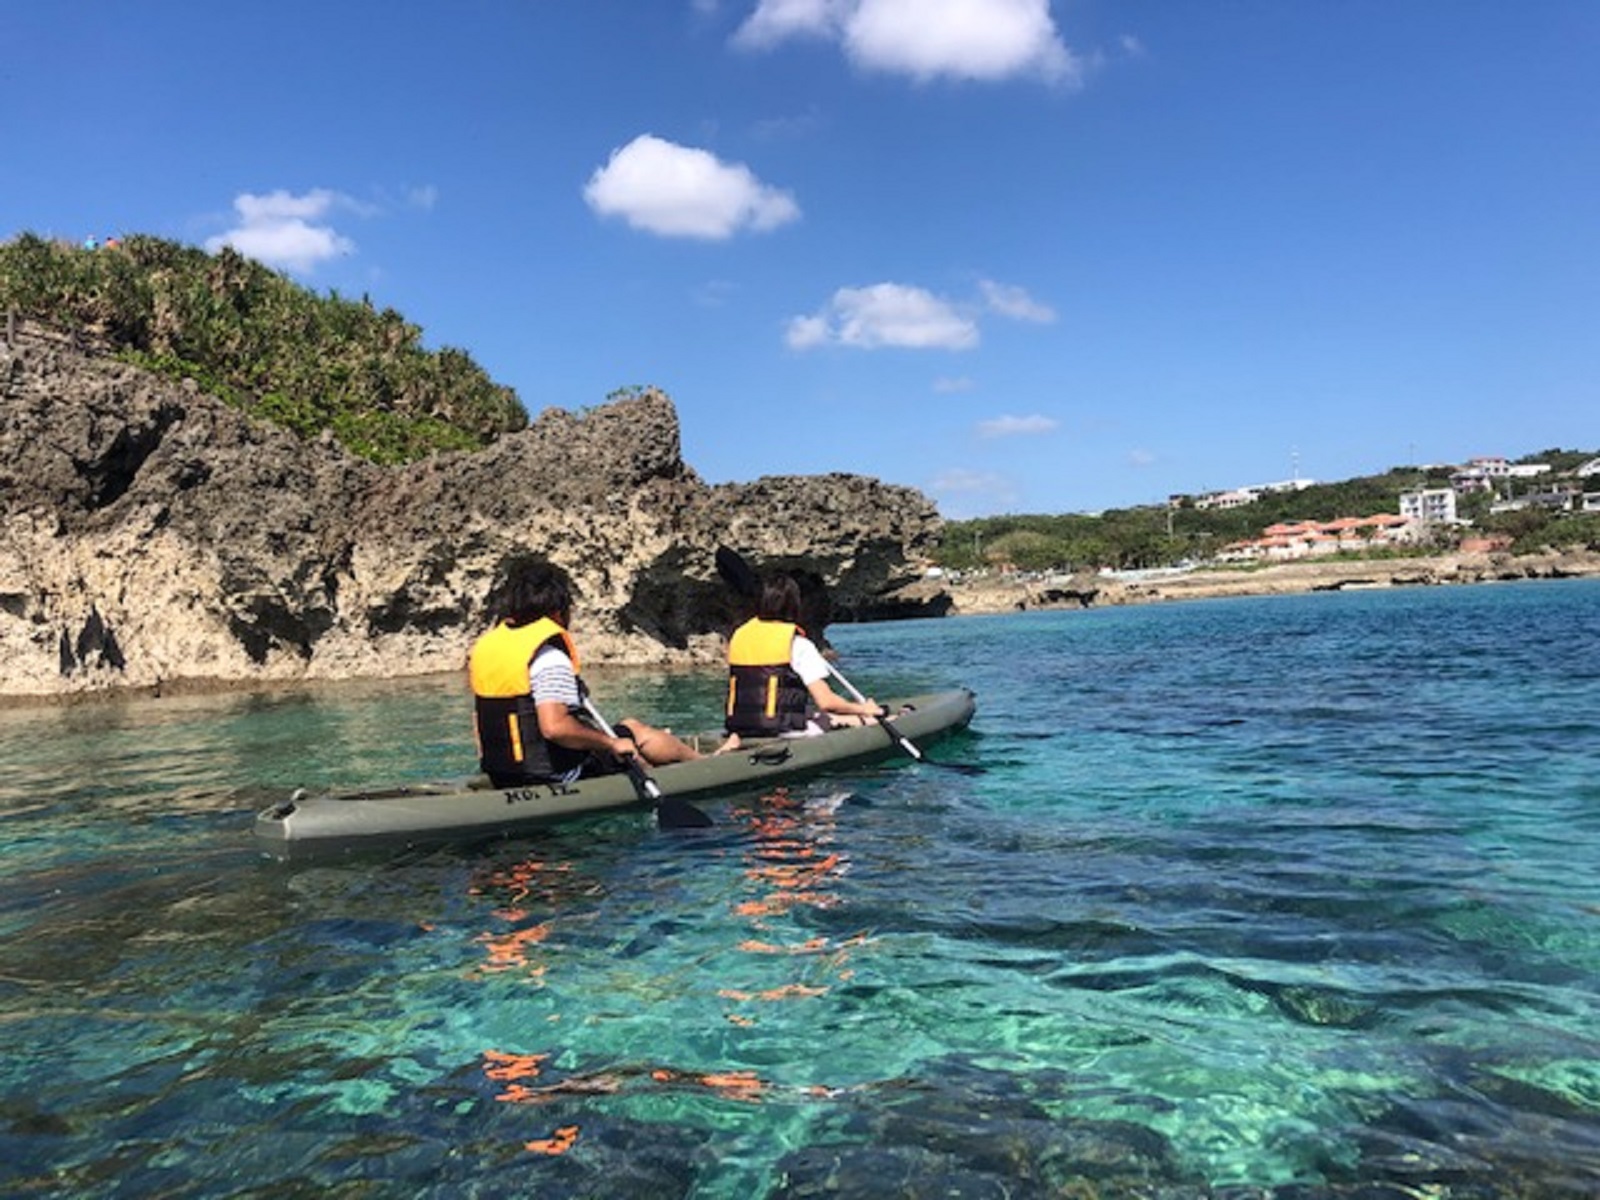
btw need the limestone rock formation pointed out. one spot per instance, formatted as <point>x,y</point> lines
<point>151,536</point>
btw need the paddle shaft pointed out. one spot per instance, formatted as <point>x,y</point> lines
<point>901,740</point>
<point>641,777</point>
<point>671,811</point>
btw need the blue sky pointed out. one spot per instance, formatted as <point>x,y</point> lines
<point>1024,256</point>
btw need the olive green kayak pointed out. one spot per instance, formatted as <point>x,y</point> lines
<point>472,809</point>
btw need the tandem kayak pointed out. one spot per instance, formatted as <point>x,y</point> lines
<point>470,809</point>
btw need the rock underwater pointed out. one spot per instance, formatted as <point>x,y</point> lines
<point>155,537</point>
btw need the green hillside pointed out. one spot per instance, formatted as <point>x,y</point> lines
<point>1159,535</point>
<point>262,342</point>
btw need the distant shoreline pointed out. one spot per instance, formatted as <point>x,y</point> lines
<point>1019,593</point>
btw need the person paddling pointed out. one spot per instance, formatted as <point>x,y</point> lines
<point>531,723</point>
<point>778,679</point>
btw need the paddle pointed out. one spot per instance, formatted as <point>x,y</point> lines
<point>901,739</point>
<point>742,578</point>
<point>881,717</point>
<point>671,812</point>
<point>738,574</point>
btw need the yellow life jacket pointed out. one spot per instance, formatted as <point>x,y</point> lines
<point>765,694</point>
<point>511,749</point>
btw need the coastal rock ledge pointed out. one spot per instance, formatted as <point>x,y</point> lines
<point>987,594</point>
<point>151,537</point>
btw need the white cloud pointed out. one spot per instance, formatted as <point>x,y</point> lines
<point>785,128</point>
<point>960,489</point>
<point>714,293</point>
<point>288,231</point>
<point>1014,302</point>
<point>926,39</point>
<point>678,191</point>
<point>1141,458</point>
<point>775,21</point>
<point>806,332</point>
<point>949,385</point>
<point>1016,426</point>
<point>962,479</point>
<point>885,314</point>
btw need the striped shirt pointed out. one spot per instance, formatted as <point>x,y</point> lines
<point>551,678</point>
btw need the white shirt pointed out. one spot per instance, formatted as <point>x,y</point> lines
<point>807,660</point>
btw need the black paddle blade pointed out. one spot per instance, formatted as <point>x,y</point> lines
<point>672,813</point>
<point>737,573</point>
<point>959,768</point>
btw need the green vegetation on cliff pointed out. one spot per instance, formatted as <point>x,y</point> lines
<point>1159,536</point>
<point>263,343</point>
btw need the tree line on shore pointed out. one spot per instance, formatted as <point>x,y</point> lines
<point>1152,536</point>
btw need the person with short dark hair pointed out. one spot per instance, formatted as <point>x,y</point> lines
<point>528,696</point>
<point>778,679</point>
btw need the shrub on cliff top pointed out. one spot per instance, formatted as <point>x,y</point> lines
<point>263,343</point>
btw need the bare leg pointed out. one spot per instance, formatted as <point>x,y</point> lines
<point>658,747</point>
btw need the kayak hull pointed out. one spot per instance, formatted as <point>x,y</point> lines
<point>471,809</point>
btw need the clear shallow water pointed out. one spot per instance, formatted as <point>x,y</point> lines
<point>1294,896</point>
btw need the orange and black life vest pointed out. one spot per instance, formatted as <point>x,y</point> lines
<point>765,695</point>
<point>511,749</point>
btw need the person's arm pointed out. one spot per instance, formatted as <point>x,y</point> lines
<point>829,701</point>
<point>554,685</point>
<point>809,664</point>
<point>558,725</point>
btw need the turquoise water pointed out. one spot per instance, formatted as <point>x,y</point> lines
<point>1295,896</point>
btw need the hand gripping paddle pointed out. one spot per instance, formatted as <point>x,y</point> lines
<point>671,813</point>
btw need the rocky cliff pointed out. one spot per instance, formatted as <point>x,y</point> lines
<point>154,537</point>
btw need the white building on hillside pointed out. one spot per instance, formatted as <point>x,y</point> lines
<point>1234,499</point>
<point>1238,497</point>
<point>1430,506</point>
<point>1286,485</point>
<point>1527,470</point>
